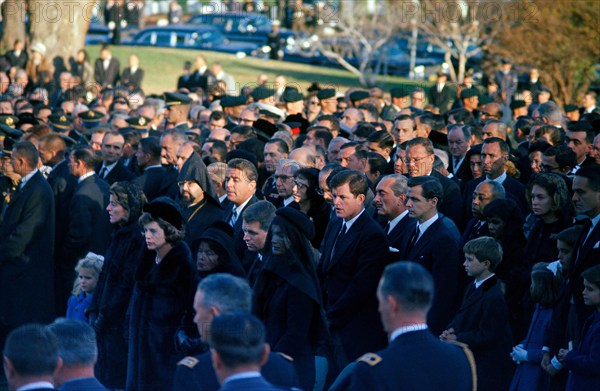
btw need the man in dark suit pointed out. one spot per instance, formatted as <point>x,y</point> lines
<point>433,244</point>
<point>106,69</point>
<point>89,227</point>
<point>17,57</point>
<point>284,182</point>
<point>200,206</point>
<point>405,295</point>
<point>419,160</point>
<point>355,251</point>
<point>27,247</point>
<point>220,294</point>
<point>133,75</point>
<point>78,351</point>
<point>459,142</point>
<point>240,183</point>
<point>494,155</point>
<point>201,77</point>
<point>441,95</point>
<point>112,168</point>
<point>390,198</point>
<point>148,158</point>
<point>31,358</point>
<point>485,192</point>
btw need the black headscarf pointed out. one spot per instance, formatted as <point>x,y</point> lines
<point>194,169</point>
<point>221,242</point>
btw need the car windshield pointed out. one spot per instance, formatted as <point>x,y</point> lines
<point>234,23</point>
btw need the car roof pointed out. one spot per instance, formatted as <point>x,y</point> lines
<point>185,28</point>
<point>237,14</point>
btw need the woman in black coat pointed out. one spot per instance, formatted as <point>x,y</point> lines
<point>162,296</point>
<point>288,297</point>
<point>107,312</point>
<point>310,202</point>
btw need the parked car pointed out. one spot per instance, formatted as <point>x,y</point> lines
<point>97,34</point>
<point>191,37</point>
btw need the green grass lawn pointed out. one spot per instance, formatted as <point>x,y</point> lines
<point>163,66</point>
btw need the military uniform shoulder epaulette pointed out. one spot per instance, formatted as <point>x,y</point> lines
<point>471,360</point>
<point>286,357</point>
<point>188,361</point>
<point>370,359</point>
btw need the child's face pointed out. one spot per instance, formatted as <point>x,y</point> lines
<point>473,267</point>
<point>591,294</point>
<point>87,280</point>
<point>564,254</point>
<point>496,227</point>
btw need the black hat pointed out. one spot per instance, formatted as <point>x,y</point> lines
<point>27,118</point>
<point>68,140</point>
<point>469,93</point>
<point>298,220</point>
<point>7,147</point>
<point>9,132</point>
<point>91,118</point>
<point>261,92</point>
<point>265,126</point>
<point>138,122</point>
<point>314,86</point>
<point>291,95</point>
<point>517,104</point>
<point>242,154</point>
<point>233,101</point>
<point>327,93</point>
<point>399,92</point>
<point>165,208</point>
<point>545,89</point>
<point>176,99</point>
<point>9,120</point>
<point>60,121</point>
<point>485,99</point>
<point>571,108</point>
<point>356,96</point>
<point>302,123</point>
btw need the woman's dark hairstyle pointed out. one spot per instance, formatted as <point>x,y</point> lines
<point>556,188</point>
<point>172,234</point>
<point>312,176</point>
<point>592,275</point>
<point>508,211</point>
<point>131,197</point>
<point>544,285</point>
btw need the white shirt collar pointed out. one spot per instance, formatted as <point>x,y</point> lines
<point>222,198</point>
<point>396,220</point>
<point>423,227</point>
<point>500,179</point>
<point>242,375</point>
<point>288,200</point>
<point>85,176</point>
<point>407,329</point>
<point>27,177</point>
<point>478,283</point>
<point>241,207</point>
<point>460,161</point>
<point>36,385</point>
<point>154,166</point>
<point>109,167</point>
<point>350,222</point>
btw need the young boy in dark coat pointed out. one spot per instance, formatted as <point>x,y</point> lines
<point>482,320</point>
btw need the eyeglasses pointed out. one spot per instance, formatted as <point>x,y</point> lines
<point>313,102</point>
<point>283,178</point>
<point>415,160</point>
<point>301,185</point>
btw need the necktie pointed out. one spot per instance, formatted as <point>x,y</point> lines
<point>234,217</point>
<point>387,228</point>
<point>413,239</point>
<point>103,172</point>
<point>339,239</point>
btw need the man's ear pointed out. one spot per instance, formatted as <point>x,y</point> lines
<point>265,355</point>
<point>59,366</point>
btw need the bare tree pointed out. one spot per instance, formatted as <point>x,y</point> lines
<point>61,26</point>
<point>559,38</point>
<point>358,44</point>
<point>461,28</point>
<point>13,13</point>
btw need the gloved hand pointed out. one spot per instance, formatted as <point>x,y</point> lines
<point>519,354</point>
<point>186,344</point>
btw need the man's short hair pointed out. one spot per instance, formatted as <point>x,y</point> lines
<point>28,152</point>
<point>430,187</point>
<point>592,174</point>
<point>32,350</point>
<point>261,211</point>
<point>422,141</point>
<point>467,130</point>
<point>87,156</point>
<point>376,162</point>
<point>564,156</point>
<point>293,165</point>
<point>498,191</point>
<point>325,135</point>
<point>550,111</point>
<point>282,146</point>
<point>76,342</point>
<point>238,338</point>
<point>410,284</point>
<point>151,146</point>
<point>399,184</point>
<point>246,167</point>
<point>503,145</point>
<point>333,120</point>
<point>502,128</point>
<point>485,248</point>
<point>382,138</point>
<point>356,180</point>
<point>244,131</point>
<point>226,292</point>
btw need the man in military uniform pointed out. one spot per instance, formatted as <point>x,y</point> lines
<point>177,110</point>
<point>405,295</point>
<point>223,294</point>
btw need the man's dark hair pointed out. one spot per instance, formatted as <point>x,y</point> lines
<point>333,120</point>
<point>28,152</point>
<point>324,135</point>
<point>356,180</point>
<point>282,146</point>
<point>431,187</point>
<point>151,146</point>
<point>217,115</point>
<point>87,156</point>
<point>353,144</point>
<point>238,338</point>
<point>585,127</point>
<point>262,211</point>
<point>132,138</point>
<point>254,146</point>
<point>32,350</point>
<point>76,342</point>
<point>592,174</point>
<point>462,116</point>
<point>549,132</point>
<point>564,156</point>
<point>422,141</point>
<point>244,131</point>
<point>376,163</point>
<point>485,248</point>
<point>382,138</point>
<point>246,167</point>
<point>503,145</point>
<point>410,284</point>
<point>364,130</point>
<point>371,108</point>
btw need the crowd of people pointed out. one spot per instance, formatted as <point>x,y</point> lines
<point>373,235</point>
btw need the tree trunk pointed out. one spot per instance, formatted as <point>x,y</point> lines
<point>61,26</point>
<point>13,12</point>
<point>462,66</point>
